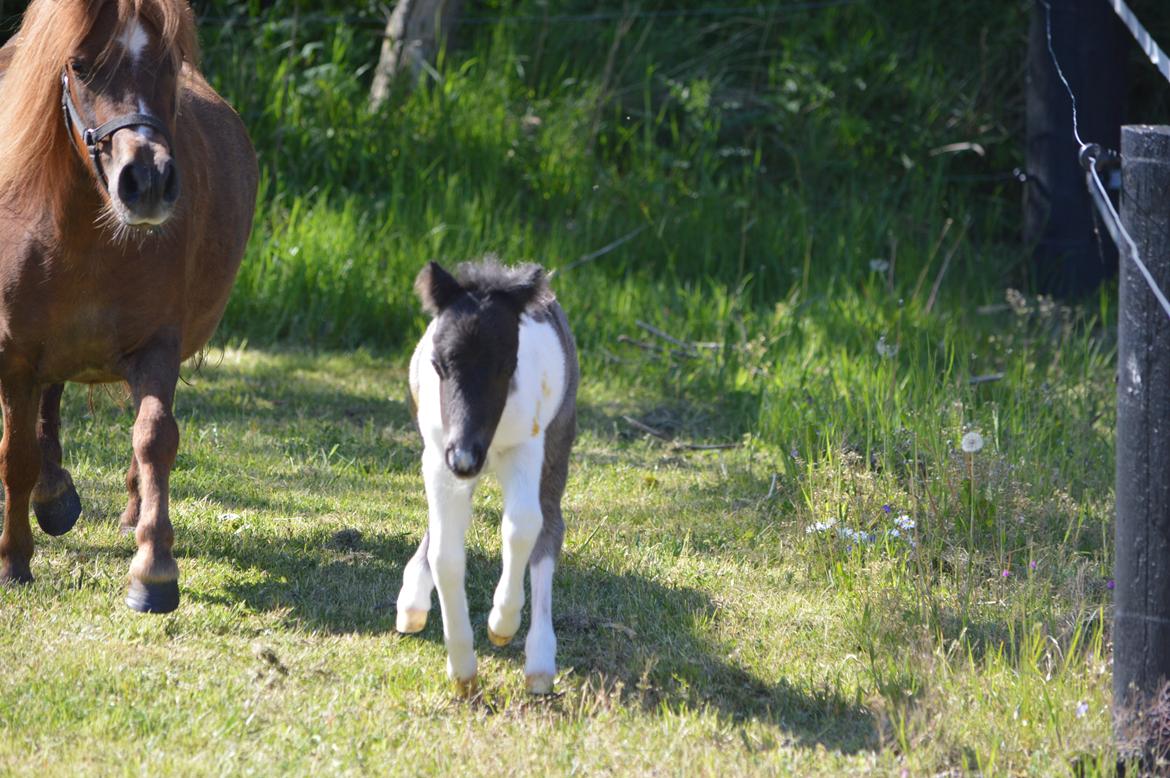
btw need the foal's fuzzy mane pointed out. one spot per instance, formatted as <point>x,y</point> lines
<point>489,275</point>
<point>35,154</point>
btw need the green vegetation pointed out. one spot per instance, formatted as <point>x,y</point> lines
<point>795,208</point>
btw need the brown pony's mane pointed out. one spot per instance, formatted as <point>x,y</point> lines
<point>36,158</point>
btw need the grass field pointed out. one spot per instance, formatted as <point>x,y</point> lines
<point>841,589</point>
<point>702,629</point>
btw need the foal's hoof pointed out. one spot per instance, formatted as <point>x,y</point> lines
<point>498,640</point>
<point>465,690</point>
<point>539,683</point>
<point>410,621</point>
<point>58,515</point>
<point>160,597</point>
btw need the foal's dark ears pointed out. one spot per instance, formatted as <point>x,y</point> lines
<point>436,288</point>
<point>529,285</point>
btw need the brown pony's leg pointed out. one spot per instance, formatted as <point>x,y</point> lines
<point>154,574</point>
<point>54,500</point>
<point>19,467</point>
<point>134,502</point>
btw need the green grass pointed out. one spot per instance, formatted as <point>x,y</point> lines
<point>701,628</point>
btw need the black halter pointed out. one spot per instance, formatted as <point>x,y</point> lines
<point>93,136</point>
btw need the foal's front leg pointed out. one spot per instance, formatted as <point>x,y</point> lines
<point>154,574</point>
<point>449,504</point>
<point>519,473</point>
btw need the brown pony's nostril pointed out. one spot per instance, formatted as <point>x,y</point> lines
<point>170,183</point>
<point>133,181</point>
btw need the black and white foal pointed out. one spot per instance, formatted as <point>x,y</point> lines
<point>494,382</point>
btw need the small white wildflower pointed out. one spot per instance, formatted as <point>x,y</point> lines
<point>228,516</point>
<point>886,350</point>
<point>820,526</point>
<point>879,265</point>
<point>972,442</point>
<point>1082,709</point>
<point>904,522</point>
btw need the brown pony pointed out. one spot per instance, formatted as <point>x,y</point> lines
<point>127,187</point>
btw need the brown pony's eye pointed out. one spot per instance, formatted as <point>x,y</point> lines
<point>80,68</point>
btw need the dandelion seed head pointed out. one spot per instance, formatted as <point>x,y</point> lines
<point>972,442</point>
<point>886,350</point>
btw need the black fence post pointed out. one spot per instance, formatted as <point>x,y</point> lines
<point>1091,45</point>
<point>1141,598</point>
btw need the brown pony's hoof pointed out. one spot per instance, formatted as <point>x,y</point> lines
<point>12,574</point>
<point>160,597</point>
<point>58,515</point>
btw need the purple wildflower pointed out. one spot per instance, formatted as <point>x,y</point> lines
<point>1006,573</point>
<point>1032,565</point>
<point>1110,584</point>
<point>888,508</point>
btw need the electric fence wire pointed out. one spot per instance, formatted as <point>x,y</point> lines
<point>1143,37</point>
<point>1092,155</point>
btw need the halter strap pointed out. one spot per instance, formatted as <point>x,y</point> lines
<point>92,137</point>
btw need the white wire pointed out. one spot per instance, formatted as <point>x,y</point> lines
<point>1143,38</point>
<point>1118,232</point>
<point>1059,72</point>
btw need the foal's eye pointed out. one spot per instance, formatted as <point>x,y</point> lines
<point>438,367</point>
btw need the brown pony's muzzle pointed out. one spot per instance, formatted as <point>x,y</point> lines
<point>144,179</point>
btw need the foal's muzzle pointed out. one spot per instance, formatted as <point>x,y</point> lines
<point>465,461</point>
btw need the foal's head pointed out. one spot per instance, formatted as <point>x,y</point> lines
<point>113,65</point>
<point>475,343</point>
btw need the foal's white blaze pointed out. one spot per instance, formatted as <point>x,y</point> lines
<point>135,40</point>
<point>516,456</point>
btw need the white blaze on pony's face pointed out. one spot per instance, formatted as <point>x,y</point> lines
<point>121,72</point>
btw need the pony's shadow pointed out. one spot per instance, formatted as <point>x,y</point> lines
<point>624,634</point>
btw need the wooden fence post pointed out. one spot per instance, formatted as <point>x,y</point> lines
<point>1091,46</point>
<point>415,31</point>
<point>1141,597</point>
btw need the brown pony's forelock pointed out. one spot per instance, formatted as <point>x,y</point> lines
<point>36,157</point>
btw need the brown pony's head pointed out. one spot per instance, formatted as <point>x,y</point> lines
<point>113,65</point>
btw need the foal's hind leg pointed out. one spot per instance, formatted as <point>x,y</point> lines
<point>540,647</point>
<point>154,574</point>
<point>54,499</point>
<point>19,467</point>
<point>414,598</point>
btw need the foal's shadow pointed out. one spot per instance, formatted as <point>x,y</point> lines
<point>624,634</point>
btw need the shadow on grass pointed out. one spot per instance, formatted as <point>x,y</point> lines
<point>624,635</point>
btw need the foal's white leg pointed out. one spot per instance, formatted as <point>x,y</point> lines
<point>519,472</point>
<point>540,649</point>
<point>414,598</point>
<point>449,502</point>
